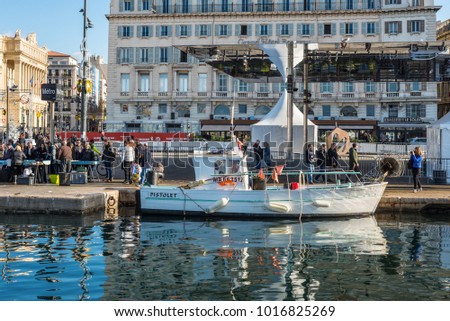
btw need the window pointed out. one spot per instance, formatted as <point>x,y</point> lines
<point>370,4</point>
<point>307,5</point>
<point>144,31</point>
<point>370,87</point>
<point>243,86</point>
<point>125,31</point>
<point>349,5</point>
<point>144,55</point>
<point>370,110</point>
<point>326,110</point>
<point>245,6</point>
<point>243,31</point>
<point>145,4</point>
<point>284,30</point>
<point>223,30</point>
<point>416,26</point>
<point>392,110</point>
<point>183,57</point>
<point>326,87</point>
<point>370,28</point>
<point>285,5</point>
<point>164,31</point>
<point>183,31</point>
<point>125,55</point>
<point>392,87</point>
<point>327,29</point>
<point>165,6</point>
<point>348,111</point>
<point>162,109</point>
<point>183,82</point>
<point>242,108</point>
<point>416,110</point>
<point>417,3</point>
<point>393,27</point>
<point>306,30</point>
<point>163,82</point>
<point>184,6</point>
<point>201,108</point>
<point>203,30</point>
<point>163,57</point>
<point>262,110</point>
<point>348,29</point>
<point>393,1</point>
<point>416,86</point>
<point>328,5</point>
<point>223,83</point>
<point>127,5</point>
<point>224,7</point>
<point>204,6</point>
<point>125,83</point>
<point>348,87</point>
<point>144,82</point>
<point>124,108</point>
<point>264,30</point>
<point>263,88</point>
<point>202,83</point>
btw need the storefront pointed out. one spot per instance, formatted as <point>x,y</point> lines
<point>360,130</point>
<point>221,129</point>
<point>402,129</point>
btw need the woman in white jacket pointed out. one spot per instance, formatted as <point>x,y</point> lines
<point>128,158</point>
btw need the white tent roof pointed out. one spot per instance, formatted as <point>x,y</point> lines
<point>443,123</point>
<point>278,115</point>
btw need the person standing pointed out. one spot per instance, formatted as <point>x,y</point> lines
<point>416,158</point>
<point>128,158</point>
<point>353,158</point>
<point>145,162</point>
<point>108,158</point>
<point>333,156</point>
<point>18,159</point>
<point>258,152</point>
<point>321,157</point>
<point>266,154</point>
<point>310,160</point>
<point>65,156</point>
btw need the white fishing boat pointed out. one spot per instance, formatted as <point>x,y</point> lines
<point>224,187</point>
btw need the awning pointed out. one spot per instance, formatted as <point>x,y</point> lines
<point>215,128</point>
<point>402,125</point>
<point>242,128</point>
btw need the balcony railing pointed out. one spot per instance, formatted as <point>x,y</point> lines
<point>281,6</point>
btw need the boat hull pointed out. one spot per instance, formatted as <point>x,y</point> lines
<point>317,202</point>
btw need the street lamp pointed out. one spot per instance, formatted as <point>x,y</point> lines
<point>8,89</point>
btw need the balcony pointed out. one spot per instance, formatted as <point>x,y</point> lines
<point>142,93</point>
<point>124,94</point>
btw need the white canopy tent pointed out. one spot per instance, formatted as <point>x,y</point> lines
<point>272,128</point>
<point>438,143</point>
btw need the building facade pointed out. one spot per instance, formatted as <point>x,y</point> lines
<point>154,86</point>
<point>23,67</point>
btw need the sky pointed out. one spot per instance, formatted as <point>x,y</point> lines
<point>58,24</point>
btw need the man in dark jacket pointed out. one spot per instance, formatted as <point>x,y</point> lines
<point>321,156</point>
<point>353,158</point>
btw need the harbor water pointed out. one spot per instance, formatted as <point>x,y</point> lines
<point>386,257</point>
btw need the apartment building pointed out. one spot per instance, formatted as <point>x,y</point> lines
<point>23,67</point>
<point>155,86</point>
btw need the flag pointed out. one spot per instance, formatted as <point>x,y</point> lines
<point>31,81</point>
<point>277,170</point>
<point>261,174</point>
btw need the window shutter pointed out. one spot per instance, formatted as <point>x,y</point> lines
<point>408,26</point>
<point>118,56</point>
<point>119,31</point>
<point>178,30</point>
<point>299,29</point>
<point>150,55</point>
<point>120,5</point>
<point>424,86</point>
<point>197,30</point>
<point>342,28</point>
<point>291,29</point>
<point>157,55</point>
<point>258,30</point>
<point>237,30</point>
<point>139,31</point>
<point>364,28</point>
<point>131,55</point>
<point>399,23</point>
<point>249,30</point>
<point>139,5</point>
<point>321,29</point>
<point>355,28</point>
<point>209,31</point>
<point>333,29</point>
<point>169,31</point>
<point>408,87</point>
<point>189,30</point>
<point>311,29</point>
<point>132,5</point>
<point>422,25</point>
<point>176,55</point>
<point>278,26</point>
<point>169,55</point>
<point>229,30</point>
<point>421,3</point>
<point>131,31</point>
<point>365,4</point>
<point>386,1</point>
<point>217,31</point>
<point>269,30</point>
<point>138,55</point>
<point>386,27</point>
<point>158,31</point>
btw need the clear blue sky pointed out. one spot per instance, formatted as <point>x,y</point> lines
<point>59,24</point>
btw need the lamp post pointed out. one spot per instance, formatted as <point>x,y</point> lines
<point>86,25</point>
